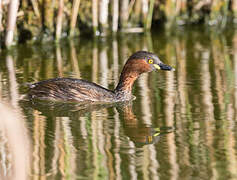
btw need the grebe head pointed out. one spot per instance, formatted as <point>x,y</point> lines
<point>138,63</point>
<point>147,62</point>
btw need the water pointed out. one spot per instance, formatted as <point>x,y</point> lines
<point>182,124</point>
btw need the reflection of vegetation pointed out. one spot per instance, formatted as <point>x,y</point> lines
<point>198,99</point>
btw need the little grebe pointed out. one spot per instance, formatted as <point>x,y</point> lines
<point>69,89</point>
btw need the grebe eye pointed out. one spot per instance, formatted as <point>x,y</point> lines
<point>150,61</point>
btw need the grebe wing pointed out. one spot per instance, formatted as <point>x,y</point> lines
<point>69,89</point>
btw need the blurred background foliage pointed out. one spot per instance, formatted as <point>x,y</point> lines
<point>45,20</point>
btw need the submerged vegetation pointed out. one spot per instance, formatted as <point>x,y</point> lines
<point>38,20</point>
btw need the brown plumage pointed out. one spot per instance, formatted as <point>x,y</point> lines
<point>69,89</point>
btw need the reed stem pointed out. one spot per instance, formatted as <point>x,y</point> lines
<point>59,20</point>
<point>149,16</point>
<point>124,13</point>
<point>103,16</point>
<point>95,16</point>
<point>75,8</point>
<point>11,22</point>
<point>36,8</point>
<point>1,27</point>
<point>115,15</point>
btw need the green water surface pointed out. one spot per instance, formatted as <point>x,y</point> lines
<point>182,125</point>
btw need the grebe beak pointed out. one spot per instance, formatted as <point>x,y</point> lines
<point>163,67</point>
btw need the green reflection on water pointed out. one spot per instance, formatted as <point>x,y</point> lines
<point>194,108</point>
